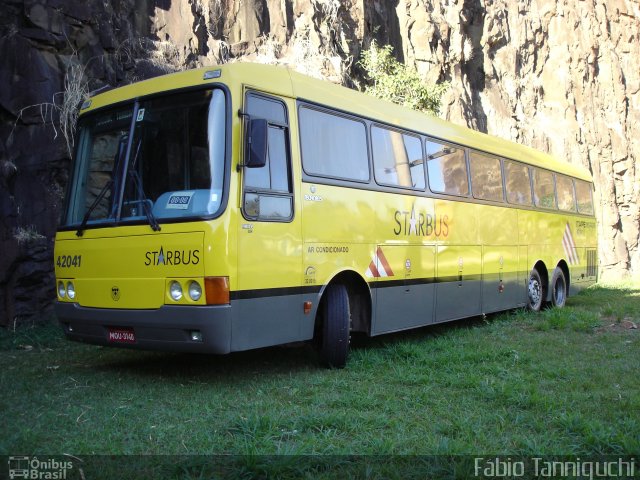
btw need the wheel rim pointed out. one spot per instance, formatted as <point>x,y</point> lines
<point>559,292</point>
<point>535,291</point>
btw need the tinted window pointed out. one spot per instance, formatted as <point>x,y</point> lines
<point>397,158</point>
<point>268,192</point>
<point>102,147</point>
<point>583,195</point>
<point>543,189</point>
<point>176,153</point>
<point>268,207</point>
<point>518,183</point>
<point>566,199</point>
<point>447,169</point>
<point>275,174</point>
<point>267,108</point>
<point>486,177</point>
<point>333,146</point>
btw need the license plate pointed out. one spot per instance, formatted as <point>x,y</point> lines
<point>122,335</point>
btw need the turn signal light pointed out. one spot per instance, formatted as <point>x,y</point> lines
<point>216,290</point>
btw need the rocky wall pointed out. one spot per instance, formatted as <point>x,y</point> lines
<point>560,76</point>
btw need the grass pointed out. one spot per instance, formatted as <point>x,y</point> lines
<point>558,382</point>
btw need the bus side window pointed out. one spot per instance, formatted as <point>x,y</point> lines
<point>543,189</point>
<point>447,169</point>
<point>486,177</point>
<point>566,198</point>
<point>267,190</point>
<point>397,158</point>
<point>333,145</point>
<point>583,196</point>
<point>518,183</point>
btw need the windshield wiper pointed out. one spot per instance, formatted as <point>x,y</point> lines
<point>145,201</point>
<point>90,210</point>
<point>136,179</point>
<point>117,164</point>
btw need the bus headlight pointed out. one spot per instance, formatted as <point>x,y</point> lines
<point>195,291</point>
<point>71,291</point>
<point>61,290</point>
<point>175,290</point>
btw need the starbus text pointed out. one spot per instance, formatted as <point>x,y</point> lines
<point>421,224</point>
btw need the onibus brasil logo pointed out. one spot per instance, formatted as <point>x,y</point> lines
<point>34,468</point>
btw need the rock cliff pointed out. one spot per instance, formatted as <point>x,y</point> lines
<point>561,76</point>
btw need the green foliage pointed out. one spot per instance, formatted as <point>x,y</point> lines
<point>398,83</point>
<point>559,319</point>
<point>556,382</point>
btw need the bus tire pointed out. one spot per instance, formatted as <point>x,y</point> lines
<point>536,291</point>
<point>334,347</point>
<point>558,288</point>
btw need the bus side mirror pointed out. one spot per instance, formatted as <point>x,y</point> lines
<point>257,143</point>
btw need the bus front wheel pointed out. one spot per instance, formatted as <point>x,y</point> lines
<point>336,320</point>
<point>536,291</point>
<point>558,288</point>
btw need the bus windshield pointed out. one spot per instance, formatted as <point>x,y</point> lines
<point>155,159</point>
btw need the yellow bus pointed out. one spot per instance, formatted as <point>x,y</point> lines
<point>245,206</point>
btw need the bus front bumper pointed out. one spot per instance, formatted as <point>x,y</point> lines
<point>168,328</point>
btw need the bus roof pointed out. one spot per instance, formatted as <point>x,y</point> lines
<point>286,82</point>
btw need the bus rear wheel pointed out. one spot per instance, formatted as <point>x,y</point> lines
<point>336,323</point>
<point>558,288</point>
<point>536,291</point>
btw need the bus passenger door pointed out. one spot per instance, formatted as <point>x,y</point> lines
<point>269,238</point>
